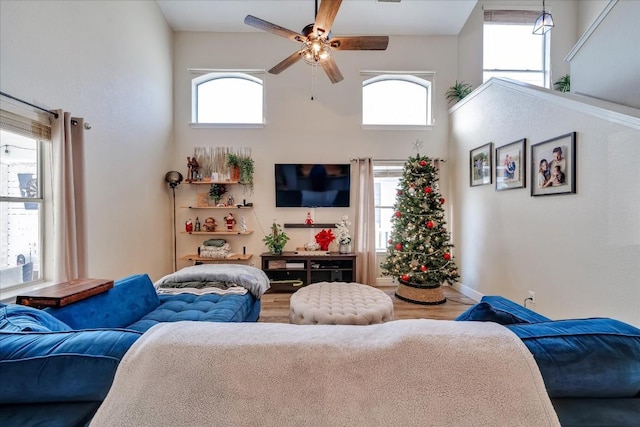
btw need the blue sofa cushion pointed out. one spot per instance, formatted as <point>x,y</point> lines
<point>60,366</point>
<point>501,310</point>
<point>127,302</point>
<point>590,358</point>
<point>202,308</point>
<point>19,318</point>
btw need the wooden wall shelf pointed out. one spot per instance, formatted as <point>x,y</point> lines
<point>231,257</point>
<point>314,225</point>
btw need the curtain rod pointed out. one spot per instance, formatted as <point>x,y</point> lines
<point>394,160</point>
<point>53,113</point>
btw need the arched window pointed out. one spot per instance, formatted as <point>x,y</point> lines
<point>228,99</point>
<point>400,101</point>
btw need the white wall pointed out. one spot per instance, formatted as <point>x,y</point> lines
<point>327,129</point>
<point>580,253</point>
<point>616,40</point>
<point>109,62</point>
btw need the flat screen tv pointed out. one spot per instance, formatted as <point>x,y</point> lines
<point>312,185</point>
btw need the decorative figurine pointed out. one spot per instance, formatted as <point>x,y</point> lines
<point>188,226</point>
<point>243,224</point>
<point>309,220</point>
<point>230,220</point>
<point>209,224</point>
<point>197,225</point>
<point>195,169</point>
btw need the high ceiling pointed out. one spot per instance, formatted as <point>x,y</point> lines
<point>355,17</point>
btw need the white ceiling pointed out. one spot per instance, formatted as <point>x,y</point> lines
<point>355,17</point>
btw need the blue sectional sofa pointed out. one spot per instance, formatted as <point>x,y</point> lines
<point>590,367</point>
<point>57,365</point>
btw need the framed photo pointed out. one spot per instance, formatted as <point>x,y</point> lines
<point>480,165</point>
<point>553,166</point>
<point>511,170</point>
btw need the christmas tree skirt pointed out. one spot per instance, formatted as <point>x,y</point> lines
<point>409,292</point>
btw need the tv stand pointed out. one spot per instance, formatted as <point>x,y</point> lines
<point>292,270</point>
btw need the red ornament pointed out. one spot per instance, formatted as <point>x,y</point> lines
<point>427,190</point>
<point>399,246</point>
<point>405,277</point>
<point>390,241</point>
<point>399,192</point>
<point>429,224</point>
<point>398,214</point>
<point>442,201</point>
<point>447,256</point>
<point>423,268</point>
<point>423,163</point>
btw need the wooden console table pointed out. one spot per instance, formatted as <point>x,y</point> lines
<point>65,293</point>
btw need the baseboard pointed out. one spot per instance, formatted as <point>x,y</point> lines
<point>468,292</point>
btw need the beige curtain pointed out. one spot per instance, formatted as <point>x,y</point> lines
<point>69,217</point>
<point>364,224</point>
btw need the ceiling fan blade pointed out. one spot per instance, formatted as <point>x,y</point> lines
<point>331,68</point>
<point>261,24</point>
<point>359,43</point>
<point>286,63</point>
<point>325,16</point>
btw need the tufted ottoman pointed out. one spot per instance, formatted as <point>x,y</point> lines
<point>340,303</point>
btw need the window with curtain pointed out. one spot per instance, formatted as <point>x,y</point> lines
<point>386,177</point>
<point>397,100</point>
<point>511,50</point>
<point>21,198</point>
<point>234,99</point>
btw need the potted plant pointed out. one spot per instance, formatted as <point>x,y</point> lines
<point>276,239</point>
<point>246,166</point>
<point>458,91</point>
<point>563,84</point>
<point>233,162</point>
<point>216,191</point>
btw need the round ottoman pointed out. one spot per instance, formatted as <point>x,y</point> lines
<point>340,303</point>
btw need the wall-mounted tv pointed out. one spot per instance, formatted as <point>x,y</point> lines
<point>312,185</point>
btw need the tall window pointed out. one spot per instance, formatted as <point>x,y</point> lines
<point>228,98</point>
<point>21,198</point>
<point>511,50</point>
<point>397,100</point>
<point>386,177</point>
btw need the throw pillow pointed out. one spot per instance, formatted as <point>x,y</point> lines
<point>484,312</point>
<point>20,318</point>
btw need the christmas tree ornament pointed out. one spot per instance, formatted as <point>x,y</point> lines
<point>428,190</point>
<point>430,224</point>
<point>447,256</point>
<point>398,214</point>
<point>423,268</point>
<point>398,246</point>
<point>405,277</point>
<point>442,200</point>
<point>423,163</point>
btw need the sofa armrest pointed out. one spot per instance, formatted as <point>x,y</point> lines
<point>40,367</point>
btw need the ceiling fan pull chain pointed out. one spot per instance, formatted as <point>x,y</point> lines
<point>314,76</point>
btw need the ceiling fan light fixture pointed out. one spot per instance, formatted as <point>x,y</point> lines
<point>544,23</point>
<point>315,51</point>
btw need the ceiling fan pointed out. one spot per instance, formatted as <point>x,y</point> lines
<point>318,41</point>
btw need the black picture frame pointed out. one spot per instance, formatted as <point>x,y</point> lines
<point>480,164</point>
<point>511,169</point>
<point>559,177</point>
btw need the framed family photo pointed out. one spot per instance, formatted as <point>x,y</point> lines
<point>553,166</point>
<point>480,165</point>
<point>510,165</point>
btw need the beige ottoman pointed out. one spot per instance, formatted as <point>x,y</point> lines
<point>340,303</point>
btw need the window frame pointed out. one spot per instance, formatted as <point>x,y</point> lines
<point>425,79</point>
<point>206,75</point>
<point>41,200</point>
<point>378,165</point>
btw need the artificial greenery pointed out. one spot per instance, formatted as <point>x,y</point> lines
<point>563,84</point>
<point>216,191</point>
<point>458,91</point>
<point>233,160</point>
<point>276,239</point>
<point>246,171</point>
<point>419,248</point>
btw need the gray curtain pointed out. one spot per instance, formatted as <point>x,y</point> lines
<point>364,225</point>
<point>69,210</point>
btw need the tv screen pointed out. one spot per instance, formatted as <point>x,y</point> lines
<point>312,185</point>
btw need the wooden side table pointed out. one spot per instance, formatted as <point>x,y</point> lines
<point>65,293</point>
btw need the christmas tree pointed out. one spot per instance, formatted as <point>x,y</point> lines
<point>419,251</point>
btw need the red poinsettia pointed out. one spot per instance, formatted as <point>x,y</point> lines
<point>323,238</point>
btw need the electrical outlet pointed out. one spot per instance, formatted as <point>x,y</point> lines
<point>532,297</point>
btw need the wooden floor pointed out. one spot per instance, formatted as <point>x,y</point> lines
<point>275,307</point>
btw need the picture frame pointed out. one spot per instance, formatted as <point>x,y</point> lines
<point>553,166</point>
<point>511,169</point>
<point>480,163</point>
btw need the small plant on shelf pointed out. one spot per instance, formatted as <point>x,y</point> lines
<point>216,191</point>
<point>563,84</point>
<point>276,239</point>
<point>458,91</point>
<point>246,166</point>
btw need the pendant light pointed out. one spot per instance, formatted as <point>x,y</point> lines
<point>544,23</point>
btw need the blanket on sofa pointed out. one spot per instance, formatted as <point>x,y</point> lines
<point>402,373</point>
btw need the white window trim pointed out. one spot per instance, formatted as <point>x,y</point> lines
<point>429,76</point>
<point>203,73</point>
